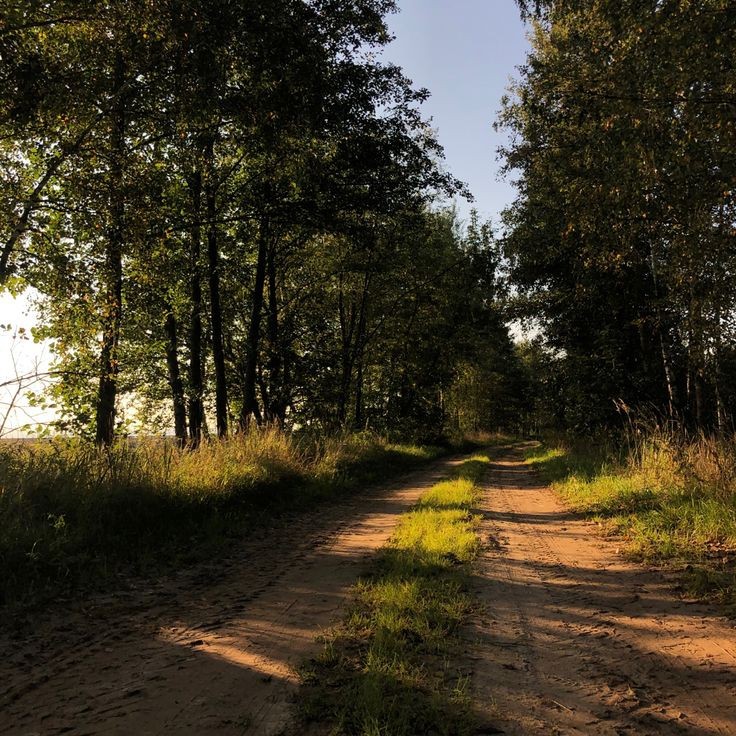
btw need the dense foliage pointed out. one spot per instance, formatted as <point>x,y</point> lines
<point>621,240</point>
<point>229,210</point>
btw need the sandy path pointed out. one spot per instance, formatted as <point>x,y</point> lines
<point>575,640</point>
<point>211,651</point>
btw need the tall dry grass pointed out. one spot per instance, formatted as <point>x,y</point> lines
<point>72,515</point>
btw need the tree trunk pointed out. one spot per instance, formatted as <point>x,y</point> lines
<point>175,382</point>
<point>697,353</point>
<point>286,382</point>
<point>359,356</point>
<point>196,383</point>
<point>699,399</point>
<point>720,408</point>
<point>276,411</point>
<point>250,407</point>
<point>359,351</point>
<point>352,332</point>
<point>668,379</point>
<point>660,336</point>
<point>213,261</point>
<point>359,420</point>
<point>113,278</point>
<point>347,328</point>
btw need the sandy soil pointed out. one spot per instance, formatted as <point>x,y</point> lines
<point>571,640</point>
<point>212,651</point>
<point>575,640</point>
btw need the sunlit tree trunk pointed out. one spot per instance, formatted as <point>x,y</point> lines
<point>276,409</point>
<point>250,408</point>
<point>196,382</point>
<point>696,351</point>
<point>175,382</point>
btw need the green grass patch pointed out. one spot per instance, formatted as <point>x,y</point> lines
<point>653,498</point>
<point>73,517</point>
<point>558,461</point>
<point>392,666</point>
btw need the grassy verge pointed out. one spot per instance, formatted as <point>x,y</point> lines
<point>672,500</point>
<point>392,666</point>
<point>73,517</point>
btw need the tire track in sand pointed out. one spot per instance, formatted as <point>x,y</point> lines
<point>575,640</point>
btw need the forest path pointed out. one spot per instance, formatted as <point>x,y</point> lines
<point>212,650</point>
<point>573,639</point>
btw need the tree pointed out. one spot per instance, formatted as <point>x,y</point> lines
<point>236,219</point>
<point>618,238</point>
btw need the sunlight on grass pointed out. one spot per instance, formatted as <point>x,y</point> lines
<point>391,667</point>
<point>667,498</point>
<point>72,515</point>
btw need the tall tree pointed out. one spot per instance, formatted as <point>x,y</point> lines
<point>621,142</point>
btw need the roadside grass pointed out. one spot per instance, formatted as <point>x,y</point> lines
<point>73,517</point>
<point>392,666</point>
<point>671,498</point>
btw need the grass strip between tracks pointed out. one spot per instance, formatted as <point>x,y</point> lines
<point>392,666</point>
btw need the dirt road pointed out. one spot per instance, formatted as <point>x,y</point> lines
<point>211,652</point>
<point>575,640</point>
<point>572,640</point>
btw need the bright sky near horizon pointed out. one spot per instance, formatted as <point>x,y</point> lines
<point>465,52</point>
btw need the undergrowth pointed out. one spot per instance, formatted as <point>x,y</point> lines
<point>671,497</point>
<point>74,517</point>
<point>391,667</point>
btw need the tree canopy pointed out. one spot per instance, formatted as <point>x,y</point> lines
<point>621,240</point>
<point>233,212</point>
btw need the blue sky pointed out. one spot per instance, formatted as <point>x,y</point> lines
<point>464,52</point>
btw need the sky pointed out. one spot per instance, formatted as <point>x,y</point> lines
<point>464,51</point>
